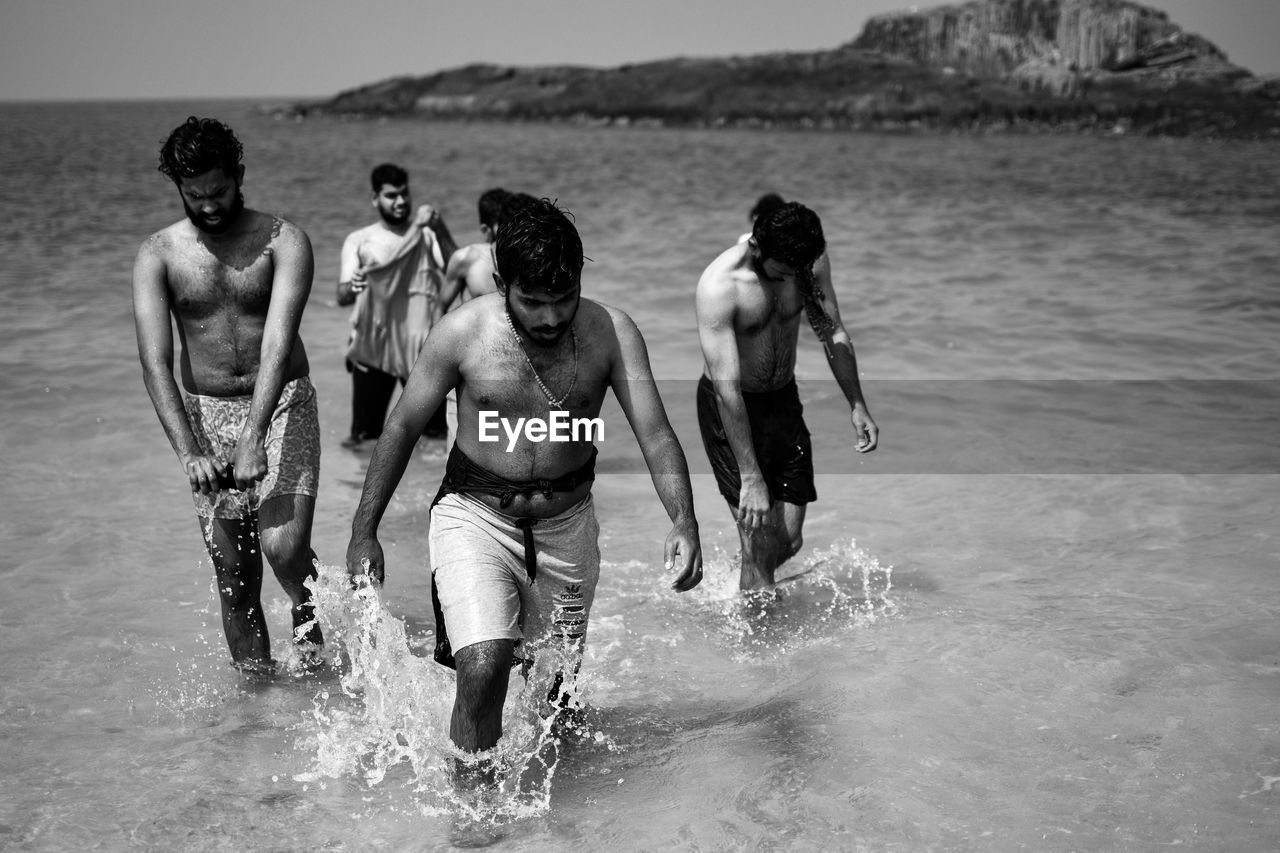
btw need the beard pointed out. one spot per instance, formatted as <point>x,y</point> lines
<point>544,337</point>
<point>225,220</point>
<point>391,218</point>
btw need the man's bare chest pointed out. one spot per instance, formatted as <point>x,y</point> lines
<point>203,283</point>
<point>768,311</point>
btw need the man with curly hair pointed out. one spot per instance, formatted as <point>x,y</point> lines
<point>234,281</point>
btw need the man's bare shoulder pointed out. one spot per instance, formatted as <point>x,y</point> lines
<point>470,318</point>
<point>723,275</point>
<point>286,231</point>
<point>607,323</point>
<point>594,313</point>
<point>465,257</point>
<point>163,243</point>
<point>474,252</point>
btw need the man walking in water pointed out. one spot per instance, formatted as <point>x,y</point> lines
<point>235,281</point>
<point>513,537</point>
<point>749,302</point>
<point>391,270</point>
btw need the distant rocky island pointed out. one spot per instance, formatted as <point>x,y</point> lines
<point>1031,65</point>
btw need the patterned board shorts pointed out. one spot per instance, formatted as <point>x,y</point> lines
<point>292,445</point>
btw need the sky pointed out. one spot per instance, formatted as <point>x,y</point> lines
<point>136,49</point>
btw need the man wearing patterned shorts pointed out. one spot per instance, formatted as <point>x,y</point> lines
<point>234,281</point>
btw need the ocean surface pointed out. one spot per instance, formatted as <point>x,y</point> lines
<point>1044,615</point>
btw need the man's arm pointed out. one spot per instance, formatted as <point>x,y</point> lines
<point>716,305</point>
<point>633,385</point>
<point>350,280</point>
<point>436,371</point>
<point>154,328</point>
<point>455,277</point>
<point>293,269</point>
<point>838,348</point>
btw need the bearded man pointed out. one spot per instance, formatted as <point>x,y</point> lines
<point>234,282</point>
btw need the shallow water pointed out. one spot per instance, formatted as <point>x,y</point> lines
<point>1042,616</point>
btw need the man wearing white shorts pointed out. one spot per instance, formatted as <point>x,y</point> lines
<point>513,532</point>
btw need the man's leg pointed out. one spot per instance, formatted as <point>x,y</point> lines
<point>234,549</point>
<point>793,527</point>
<point>767,548</point>
<point>483,671</point>
<point>371,392</point>
<point>285,523</point>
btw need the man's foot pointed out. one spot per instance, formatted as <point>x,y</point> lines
<point>754,578</point>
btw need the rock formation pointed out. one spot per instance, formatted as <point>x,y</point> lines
<point>1027,64</point>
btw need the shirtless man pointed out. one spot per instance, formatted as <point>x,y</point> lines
<point>470,270</point>
<point>513,540</point>
<point>470,273</point>
<point>234,281</point>
<point>402,256</point>
<point>749,302</point>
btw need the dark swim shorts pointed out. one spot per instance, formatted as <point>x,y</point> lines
<point>778,434</point>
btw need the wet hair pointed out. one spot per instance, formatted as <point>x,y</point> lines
<point>538,247</point>
<point>490,207</point>
<point>388,173</point>
<point>791,234</point>
<point>199,145</point>
<point>767,203</point>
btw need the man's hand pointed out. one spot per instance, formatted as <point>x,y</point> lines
<point>248,462</point>
<point>754,505</point>
<point>364,557</point>
<point>865,429</point>
<point>683,550</point>
<point>427,216</point>
<point>203,473</point>
<point>358,281</point>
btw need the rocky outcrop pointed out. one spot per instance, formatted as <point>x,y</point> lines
<point>1030,64</point>
<point>1046,41</point>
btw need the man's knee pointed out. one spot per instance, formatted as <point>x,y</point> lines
<point>483,670</point>
<point>288,550</point>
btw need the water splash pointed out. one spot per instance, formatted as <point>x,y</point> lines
<point>828,593</point>
<point>388,718</point>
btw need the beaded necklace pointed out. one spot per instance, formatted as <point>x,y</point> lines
<point>557,404</point>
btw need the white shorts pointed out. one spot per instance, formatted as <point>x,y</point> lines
<point>483,585</point>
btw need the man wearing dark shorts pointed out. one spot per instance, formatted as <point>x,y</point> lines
<point>749,302</point>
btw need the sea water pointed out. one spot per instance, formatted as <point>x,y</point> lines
<point>1041,616</point>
